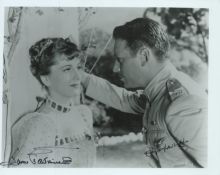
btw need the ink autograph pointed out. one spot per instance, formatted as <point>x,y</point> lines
<point>45,160</point>
<point>180,143</point>
<point>41,161</point>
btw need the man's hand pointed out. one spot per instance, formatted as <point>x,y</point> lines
<point>84,78</point>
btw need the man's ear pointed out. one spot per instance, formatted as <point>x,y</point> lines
<point>45,80</point>
<point>144,55</point>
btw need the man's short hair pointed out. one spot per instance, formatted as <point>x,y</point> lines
<point>142,31</point>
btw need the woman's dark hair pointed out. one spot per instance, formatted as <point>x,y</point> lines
<point>43,52</point>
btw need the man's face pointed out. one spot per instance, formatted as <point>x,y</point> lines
<point>127,64</point>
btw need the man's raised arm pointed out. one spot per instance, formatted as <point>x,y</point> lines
<point>114,96</point>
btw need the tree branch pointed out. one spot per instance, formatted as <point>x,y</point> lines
<point>15,37</point>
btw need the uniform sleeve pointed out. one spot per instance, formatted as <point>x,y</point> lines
<point>187,120</point>
<point>116,97</point>
<point>31,137</point>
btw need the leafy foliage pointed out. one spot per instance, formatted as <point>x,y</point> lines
<point>187,27</point>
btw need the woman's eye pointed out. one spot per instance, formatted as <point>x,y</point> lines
<point>79,66</point>
<point>66,69</point>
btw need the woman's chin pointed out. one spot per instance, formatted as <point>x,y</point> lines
<point>76,93</point>
<point>76,98</point>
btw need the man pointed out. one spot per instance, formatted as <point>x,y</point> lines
<point>174,107</point>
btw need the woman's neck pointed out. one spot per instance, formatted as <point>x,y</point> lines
<point>59,98</point>
<point>55,104</point>
<point>61,101</point>
<point>57,107</point>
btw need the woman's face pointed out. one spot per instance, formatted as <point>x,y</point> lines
<point>64,80</point>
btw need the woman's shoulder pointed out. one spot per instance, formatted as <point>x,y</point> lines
<point>86,113</point>
<point>30,121</point>
<point>32,130</point>
<point>84,109</point>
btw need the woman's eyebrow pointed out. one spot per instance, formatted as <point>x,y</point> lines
<point>65,66</point>
<point>73,56</point>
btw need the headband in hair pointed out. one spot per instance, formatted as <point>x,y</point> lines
<point>40,48</point>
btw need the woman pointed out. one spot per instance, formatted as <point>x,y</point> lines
<point>59,133</point>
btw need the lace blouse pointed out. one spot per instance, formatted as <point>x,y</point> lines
<point>54,139</point>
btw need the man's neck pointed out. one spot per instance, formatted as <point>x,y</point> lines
<point>152,71</point>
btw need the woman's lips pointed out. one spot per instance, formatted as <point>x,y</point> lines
<point>75,85</point>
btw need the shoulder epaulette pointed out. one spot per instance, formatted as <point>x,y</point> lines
<point>175,89</point>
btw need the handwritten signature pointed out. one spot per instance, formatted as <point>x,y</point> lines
<point>180,143</point>
<point>40,161</point>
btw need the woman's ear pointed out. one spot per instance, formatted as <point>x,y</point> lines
<point>144,55</point>
<point>45,80</point>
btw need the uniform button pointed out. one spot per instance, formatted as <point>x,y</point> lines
<point>159,142</point>
<point>144,130</point>
<point>153,122</point>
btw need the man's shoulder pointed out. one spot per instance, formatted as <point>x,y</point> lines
<point>187,104</point>
<point>192,87</point>
<point>183,99</point>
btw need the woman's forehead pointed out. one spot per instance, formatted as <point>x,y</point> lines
<point>61,59</point>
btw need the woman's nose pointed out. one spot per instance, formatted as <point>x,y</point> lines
<point>76,74</point>
<point>116,67</point>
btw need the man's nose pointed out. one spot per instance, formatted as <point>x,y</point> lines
<point>116,67</point>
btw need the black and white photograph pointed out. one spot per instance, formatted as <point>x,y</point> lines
<point>105,87</point>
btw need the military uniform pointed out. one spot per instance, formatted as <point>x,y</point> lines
<point>174,112</point>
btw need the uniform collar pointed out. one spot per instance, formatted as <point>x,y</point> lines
<point>158,83</point>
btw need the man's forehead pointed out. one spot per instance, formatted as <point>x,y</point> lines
<point>120,43</point>
<point>120,47</point>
